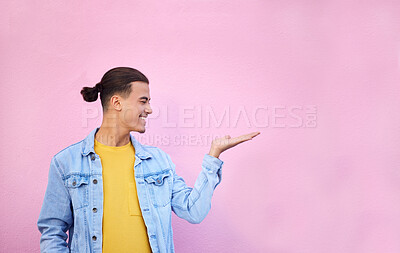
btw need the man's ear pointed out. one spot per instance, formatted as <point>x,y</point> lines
<point>115,102</point>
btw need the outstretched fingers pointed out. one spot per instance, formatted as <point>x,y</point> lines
<point>243,138</point>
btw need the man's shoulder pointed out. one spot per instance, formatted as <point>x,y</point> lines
<point>69,151</point>
<point>159,160</point>
<point>155,151</point>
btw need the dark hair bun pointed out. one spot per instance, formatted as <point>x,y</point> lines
<point>90,94</point>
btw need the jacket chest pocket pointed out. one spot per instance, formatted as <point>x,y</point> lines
<point>78,189</point>
<point>159,186</point>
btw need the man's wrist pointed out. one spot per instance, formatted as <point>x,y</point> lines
<point>214,153</point>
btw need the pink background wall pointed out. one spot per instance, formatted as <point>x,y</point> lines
<point>328,187</point>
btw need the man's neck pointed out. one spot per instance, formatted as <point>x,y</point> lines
<point>112,136</point>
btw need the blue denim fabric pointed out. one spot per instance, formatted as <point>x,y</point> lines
<point>75,187</point>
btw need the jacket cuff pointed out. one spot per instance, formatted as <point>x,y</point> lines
<point>211,163</point>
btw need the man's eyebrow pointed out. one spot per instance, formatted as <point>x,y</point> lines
<point>145,98</point>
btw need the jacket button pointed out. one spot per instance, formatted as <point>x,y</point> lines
<point>94,181</point>
<point>158,181</point>
<point>95,210</point>
<point>93,157</point>
<point>74,183</point>
<point>94,238</point>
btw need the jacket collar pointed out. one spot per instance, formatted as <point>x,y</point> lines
<point>88,145</point>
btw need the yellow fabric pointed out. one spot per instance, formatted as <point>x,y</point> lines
<point>124,229</point>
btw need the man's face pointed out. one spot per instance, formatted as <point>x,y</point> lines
<point>136,107</point>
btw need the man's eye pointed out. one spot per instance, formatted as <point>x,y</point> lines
<point>144,102</point>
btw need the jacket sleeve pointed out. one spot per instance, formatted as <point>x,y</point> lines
<point>56,215</point>
<point>193,204</point>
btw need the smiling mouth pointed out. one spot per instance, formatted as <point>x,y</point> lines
<point>143,118</point>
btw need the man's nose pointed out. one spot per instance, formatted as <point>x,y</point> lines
<point>149,110</point>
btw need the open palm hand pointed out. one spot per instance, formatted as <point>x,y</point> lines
<point>221,144</point>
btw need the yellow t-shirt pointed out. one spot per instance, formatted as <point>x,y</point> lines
<point>124,229</point>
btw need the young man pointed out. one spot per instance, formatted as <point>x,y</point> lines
<point>115,195</point>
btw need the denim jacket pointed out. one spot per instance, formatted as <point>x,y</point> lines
<point>73,200</point>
